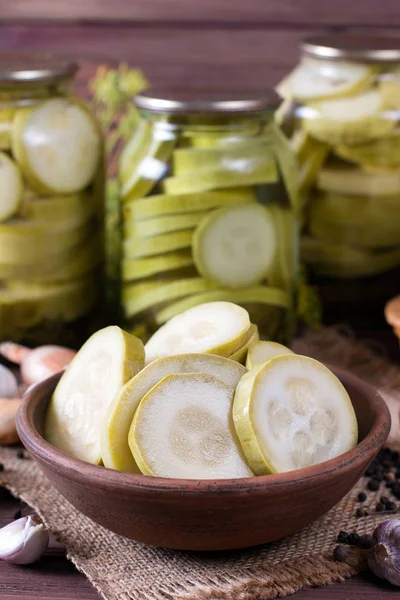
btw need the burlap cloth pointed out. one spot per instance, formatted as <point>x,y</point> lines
<point>121,569</point>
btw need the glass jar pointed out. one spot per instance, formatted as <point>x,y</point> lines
<point>51,204</point>
<point>208,211</point>
<point>341,112</point>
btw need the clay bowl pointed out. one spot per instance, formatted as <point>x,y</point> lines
<point>209,514</point>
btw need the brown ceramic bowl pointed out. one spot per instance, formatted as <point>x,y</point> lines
<point>206,514</point>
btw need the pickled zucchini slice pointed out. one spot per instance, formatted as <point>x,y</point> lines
<point>134,150</point>
<point>389,86</point>
<point>60,213</point>
<point>6,117</point>
<point>355,221</point>
<point>76,412</point>
<point>11,186</point>
<point>342,261</point>
<point>257,173</point>
<point>115,449</point>
<point>135,247</point>
<point>141,296</point>
<point>213,328</point>
<point>183,428</point>
<point>148,161</point>
<point>357,182</point>
<point>311,165</point>
<point>348,120</point>
<point>241,354</point>
<point>315,78</point>
<point>292,412</point>
<point>165,204</point>
<point>22,241</point>
<point>163,224</point>
<point>242,156</point>
<point>24,305</point>
<point>255,295</point>
<point>261,352</point>
<point>235,246</point>
<point>288,168</point>
<point>283,270</point>
<point>57,145</point>
<point>383,153</point>
<point>138,268</point>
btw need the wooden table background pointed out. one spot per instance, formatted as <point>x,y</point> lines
<point>218,44</point>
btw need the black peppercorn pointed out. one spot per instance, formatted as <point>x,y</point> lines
<point>342,537</point>
<point>353,539</point>
<point>340,553</point>
<point>373,485</point>
<point>389,484</point>
<point>365,542</point>
<point>361,512</point>
<point>384,500</point>
<point>391,506</point>
<point>20,454</point>
<point>380,507</point>
<point>396,489</point>
<point>370,471</point>
<point>395,456</point>
<point>362,496</point>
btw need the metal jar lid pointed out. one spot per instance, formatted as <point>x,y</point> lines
<point>363,48</point>
<point>35,68</point>
<point>194,101</point>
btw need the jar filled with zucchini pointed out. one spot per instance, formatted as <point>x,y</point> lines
<point>341,113</point>
<point>51,204</point>
<point>209,211</point>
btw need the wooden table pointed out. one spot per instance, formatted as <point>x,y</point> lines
<point>54,577</point>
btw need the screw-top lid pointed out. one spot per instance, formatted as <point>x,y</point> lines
<point>363,48</point>
<point>195,101</point>
<point>23,68</point>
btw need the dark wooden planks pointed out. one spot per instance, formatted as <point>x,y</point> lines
<point>55,578</point>
<point>217,57</point>
<point>368,12</point>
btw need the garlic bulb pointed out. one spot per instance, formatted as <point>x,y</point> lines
<point>8,428</point>
<point>384,560</point>
<point>39,363</point>
<point>8,383</point>
<point>22,542</point>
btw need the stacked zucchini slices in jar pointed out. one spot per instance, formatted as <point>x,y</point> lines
<point>50,245</point>
<point>345,132</point>
<point>184,407</point>
<point>195,229</point>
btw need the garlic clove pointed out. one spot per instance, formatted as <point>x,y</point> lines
<point>8,383</point>
<point>8,412</point>
<point>22,542</point>
<point>384,560</point>
<point>14,352</point>
<point>43,362</point>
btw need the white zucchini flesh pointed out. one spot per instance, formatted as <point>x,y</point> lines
<point>76,412</point>
<point>183,428</point>
<point>292,412</point>
<point>235,246</point>
<point>116,453</point>
<point>261,352</point>
<point>11,187</point>
<point>214,328</point>
<point>315,78</point>
<point>58,145</point>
